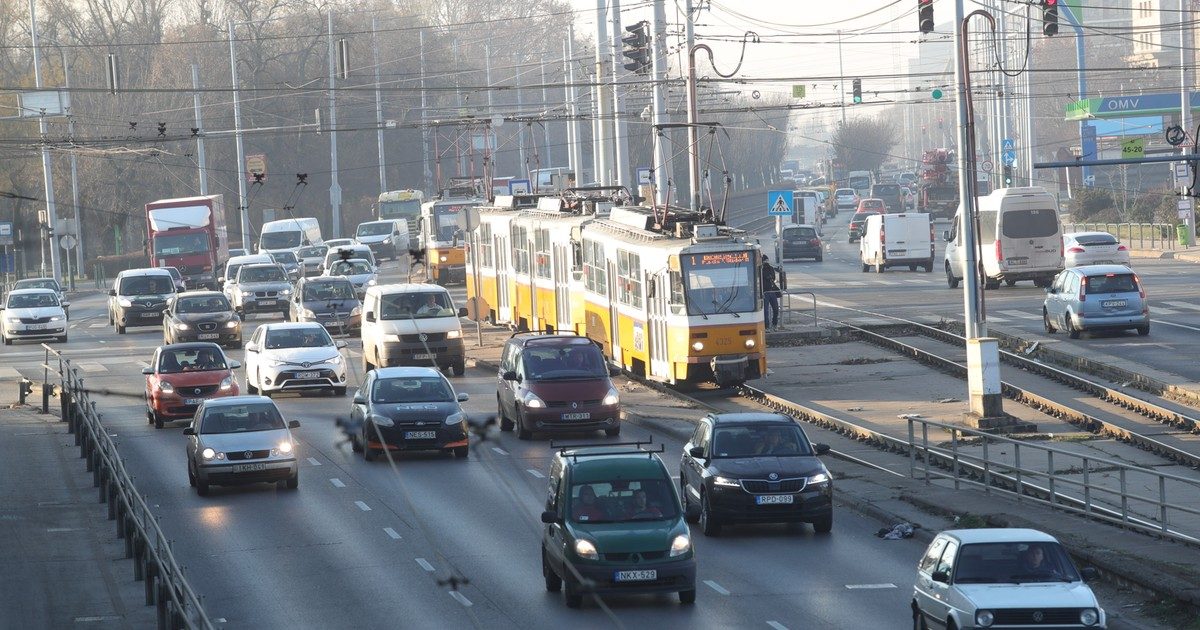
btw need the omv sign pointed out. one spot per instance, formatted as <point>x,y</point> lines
<point>1141,104</point>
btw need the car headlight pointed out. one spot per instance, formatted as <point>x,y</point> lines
<point>233,323</point>
<point>124,302</point>
<point>727,482</point>
<point>55,318</point>
<point>372,282</point>
<point>698,346</point>
<point>750,343</point>
<point>285,292</point>
<point>13,320</point>
<point>1089,617</point>
<point>680,545</point>
<point>818,479</point>
<point>453,334</point>
<point>247,293</point>
<point>382,421</point>
<point>227,383</point>
<point>166,387</point>
<point>181,326</point>
<point>387,241</point>
<point>984,618</point>
<point>586,550</point>
<point>443,259</point>
<point>208,453</point>
<point>533,402</point>
<point>454,419</point>
<point>357,310</point>
<point>612,397</point>
<point>276,362</point>
<point>391,338</point>
<point>336,360</point>
<point>285,448</point>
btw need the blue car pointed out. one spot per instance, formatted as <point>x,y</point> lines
<point>1096,297</point>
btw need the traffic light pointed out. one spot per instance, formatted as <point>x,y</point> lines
<point>637,48</point>
<point>1008,176</point>
<point>925,15</point>
<point>1049,17</point>
<point>857,90</point>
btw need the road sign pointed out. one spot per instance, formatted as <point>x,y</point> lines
<point>986,166</point>
<point>519,186</point>
<point>68,242</point>
<point>1181,174</point>
<point>779,203</point>
<point>256,168</point>
<point>643,176</point>
<point>6,233</point>
<point>1133,148</point>
<point>797,91</point>
<point>1176,135</point>
<point>1007,145</point>
<point>1009,157</point>
<point>936,94</point>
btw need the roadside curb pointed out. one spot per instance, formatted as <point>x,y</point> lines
<point>1151,253</point>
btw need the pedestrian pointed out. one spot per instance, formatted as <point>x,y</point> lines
<point>770,290</point>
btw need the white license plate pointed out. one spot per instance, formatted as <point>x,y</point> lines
<point>308,374</point>
<point>208,336</point>
<point>420,435</point>
<point>248,467</point>
<point>1113,303</point>
<point>192,401</point>
<point>1017,261</point>
<point>774,499</point>
<point>149,315</point>
<point>577,416</point>
<point>266,302</point>
<point>643,575</point>
<point>428,355</point>
<point>36,327</point>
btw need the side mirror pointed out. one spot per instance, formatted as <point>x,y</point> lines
<point>1089,574</point>
<point>462,311</point>
<point>251,347</point>
<point>112,293</point>
<point>940,576</point>
<point>293,424</point>
<point>66,304</point>
<point>946,235</point>
<point>821,448</point>
<point>358,399</point>
<point>697,452</point>
<point>369,316</point>
<point>510,375</point>
<point>549,517</point>
<point>189,431</point>
<point>614,370</point>
<point>1051,290</point>
<point>463,397</point>
<point>147,370</point>
<point>339,344</point>
<point>233,365</point>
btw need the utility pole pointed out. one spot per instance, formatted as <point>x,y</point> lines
<point>200,161</point>
<point>842,77</point>
<point>335,190</point>
<point>662,157</point>
<point>620,124</point>
<point>524,168</point>
<point>460,161</point>
<point>74,181</point>
<point>487,139</point>
<point>47,167</point>
<point>427,173</point>
<point>378,106</point>
<point>546,116</point>
<point>241,150</point>
<point>693,134</point>
<point>1187,204</point>
<point>573,109</point>
<point>569,109</point>
<point>603,100</point>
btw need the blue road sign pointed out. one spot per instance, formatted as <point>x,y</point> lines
<point>1010,157</point>
<point>6,233</point>
<point>1007,145</point>
<point>779,203</point>
<point>519,187</point>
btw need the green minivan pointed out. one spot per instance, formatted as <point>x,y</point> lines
<point>613,524</point>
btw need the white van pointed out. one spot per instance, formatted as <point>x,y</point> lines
<point>896,240</point>
<point>289,234</point>
<point>1020,238</point>
<point>412,324</point>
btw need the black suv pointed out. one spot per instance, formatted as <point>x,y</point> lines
<point>202,316</point>
<point>754,468</point>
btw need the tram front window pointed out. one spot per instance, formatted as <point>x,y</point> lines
<point>719,283</point>
<point>447,221</point>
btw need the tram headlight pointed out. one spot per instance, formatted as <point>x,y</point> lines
<point>698,346</point>
<point>750,343</point>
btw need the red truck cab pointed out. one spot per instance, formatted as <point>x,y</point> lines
<point>189,234</point>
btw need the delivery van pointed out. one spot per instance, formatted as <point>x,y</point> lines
<point>412,324</point>
<point>896,240</point>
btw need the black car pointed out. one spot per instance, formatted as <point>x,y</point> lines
<point>202,316</point>
<point>891,194</point>
<point>754,468</point>
<point>328,301</point>
<point>408,409</point>
<point>801,241</point>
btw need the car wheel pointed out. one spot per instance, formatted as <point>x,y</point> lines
<point>120,329</point>
<point>459,367</point>
<point>339,391</point>
<point>951,281</point>
<point>369,453</point>
<point>1012,282</point>
<point>573,596</point>
<point>918,619</point>
<point>201,487</point>
<point>293,482</point>
<point>1144,330</point>
<point>1072,332</point>
<point>461,452</point>
<point>1050,330</point>
<point>7,341</point>
<point>912,267</point>
<point>613,432</point>
<point>150,417</point>
<point>866,267</point>
<point>929,267</point>
<point>553,582</point>
<point>824,525</point>
<point>819,259</point>
<point>250,387</point>
<point>158,420</point>
<point>991,284</point>
<point>523,433</point>
<point>62,339</point>
<point>191,477</point>
<point>708,522</point>
<point>687,597</point>
<point>505,423</point>
<point>879,267</point>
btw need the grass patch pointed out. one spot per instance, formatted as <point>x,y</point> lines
<point>970,521</point>
<point>1174,613</point>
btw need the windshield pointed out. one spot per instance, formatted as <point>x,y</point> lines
<point>845,192</point>
<point>374,229</point>
<point>32,300</point>
<point>885,190</point>
<point>284,258</point>
<point>37,283</point>
<point>760,441</point>
<point>180,244</point>
<point>171,361</point>
<point>1013,563</point>
<point>147,285</point>
<point>859,183</point>
<point>719,283</point>
<point>265,273</point>
<point>623,501</point>
<point>280,240</point>
<point>447,220</point>
<point>307,337</point>
<point>350,268</point>
<point>420,389</point>
<point>418,305</point>
<point>574,361</point>
<point>319,291</point>
<point>206,304</point>
<point>241,419</point>
<point>315,251</point>
<point>400,209</point>
<point>1112,283</point>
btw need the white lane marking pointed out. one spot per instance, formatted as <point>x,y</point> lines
<point>391,532</point>
<point>1158,310</point>
<point>143,364</point>
<point>777,625</point>
<point>535,473</point>
<point>1177,325</point>
<point>499,450</point>
<point>865,587</point>
<point>462,599</point>
<point>996,318</point>
<point>716,587</point>
<point>337,483</point>
<point>425,564</point>
<point>313,461</point>
<point>363,506</point>
<point>101,325</point>
<point>91,367</point>
<point>1183,305</point>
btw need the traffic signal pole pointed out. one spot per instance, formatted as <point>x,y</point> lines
<point>662,156</point>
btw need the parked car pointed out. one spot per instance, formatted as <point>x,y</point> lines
<point>240,440</point>
<point>801,241</point>
<point>181,376</point>
<point>1093,248</point>
<point>1002,578</point>
<point>361,273</point>
<point>287,357</point>
<point>34,314</point>
<point>1096,297</point>
<point>290,263</point>
<point>260,288</point>
<point>330,302</point>
<point>556,383</point>
<point>754,468</point>
<point>408,409</point>
<point>139,297</point>
<point>311,258</point>
<point>202,316</point>
<point>44,283</point>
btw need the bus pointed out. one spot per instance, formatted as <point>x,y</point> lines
<point>402,205</point>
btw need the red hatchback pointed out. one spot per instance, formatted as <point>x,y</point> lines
<point>866,208</point>
<point>183,375</point>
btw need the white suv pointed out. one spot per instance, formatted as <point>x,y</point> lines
<point>1002,578</point>
<point>294,357</point>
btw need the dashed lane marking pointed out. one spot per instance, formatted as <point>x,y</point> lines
<point>337,483</point>
<point>1177,325</point>
<point>462,599</point>
<point>100,325</point>
<point>716,587</point>
<point>1158,310</point>
<point>392,533</point>
<point>313,461</point>
<point>1183,305</point>
<point>1018,314</point>
<point>425,564</point>
<point>499,450</point>
<point>535,473</point>
<point>777,625</point>
<point>363,506</point>
<point>868,587</point>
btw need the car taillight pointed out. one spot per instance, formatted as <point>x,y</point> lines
<point>1141,289</point>
<point>882,237</point>
<point>999,252</point>
<point>1062,246</point>
<point>1083,289</point>
<point>1075,250</point>
<point>1122,248</point>
<point>815,241</point>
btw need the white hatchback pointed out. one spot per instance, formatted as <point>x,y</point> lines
<point>983,578</point>
<point>1093,248</point>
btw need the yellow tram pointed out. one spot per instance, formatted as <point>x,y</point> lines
<point>440,234</point>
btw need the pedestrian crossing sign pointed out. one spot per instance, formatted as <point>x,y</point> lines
<point>779,203</point>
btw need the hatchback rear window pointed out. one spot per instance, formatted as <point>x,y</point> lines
<point>1036,223</point>
<point>799,233</point>
<point>1096,239</point>
<point>1115,283</point>
<point>885,190</point>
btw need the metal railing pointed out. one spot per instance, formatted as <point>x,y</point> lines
<point>1134,235</point>
<point>1096,487</point>
<point>788,312</point>
<point>178,605</point>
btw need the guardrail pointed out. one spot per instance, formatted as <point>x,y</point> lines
<point>1136,235</point>
<point>145,543</point>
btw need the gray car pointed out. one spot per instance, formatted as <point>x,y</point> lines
<point>1096,297</point>
<point>361,273</point>
<point>290,263</point>
<point>240,440</point>
<point>261,288</point>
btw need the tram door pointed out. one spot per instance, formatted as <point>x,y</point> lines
<point>656,315</point>
<point>562,290</point>
<point>502,256</point>
<point>614,325</point>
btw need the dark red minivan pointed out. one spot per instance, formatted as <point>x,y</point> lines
<point>556,383</point>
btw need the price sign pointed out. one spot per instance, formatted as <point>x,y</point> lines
<point>1133,148</point>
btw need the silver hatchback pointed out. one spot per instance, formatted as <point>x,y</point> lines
<point>1096,297</point>
<point>239,440</point>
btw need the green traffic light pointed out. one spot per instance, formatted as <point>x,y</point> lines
<point>857,99</point>
<point>936,94</point>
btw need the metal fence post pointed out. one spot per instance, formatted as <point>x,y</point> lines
<point>912,451</point>
<point>1124,499</point>
<point>1017,470</point>
<point>987,468</point>
<point>1087,490</point>
<point>1162,502</point>
<point>954,451</point>
<point>925,449</point>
